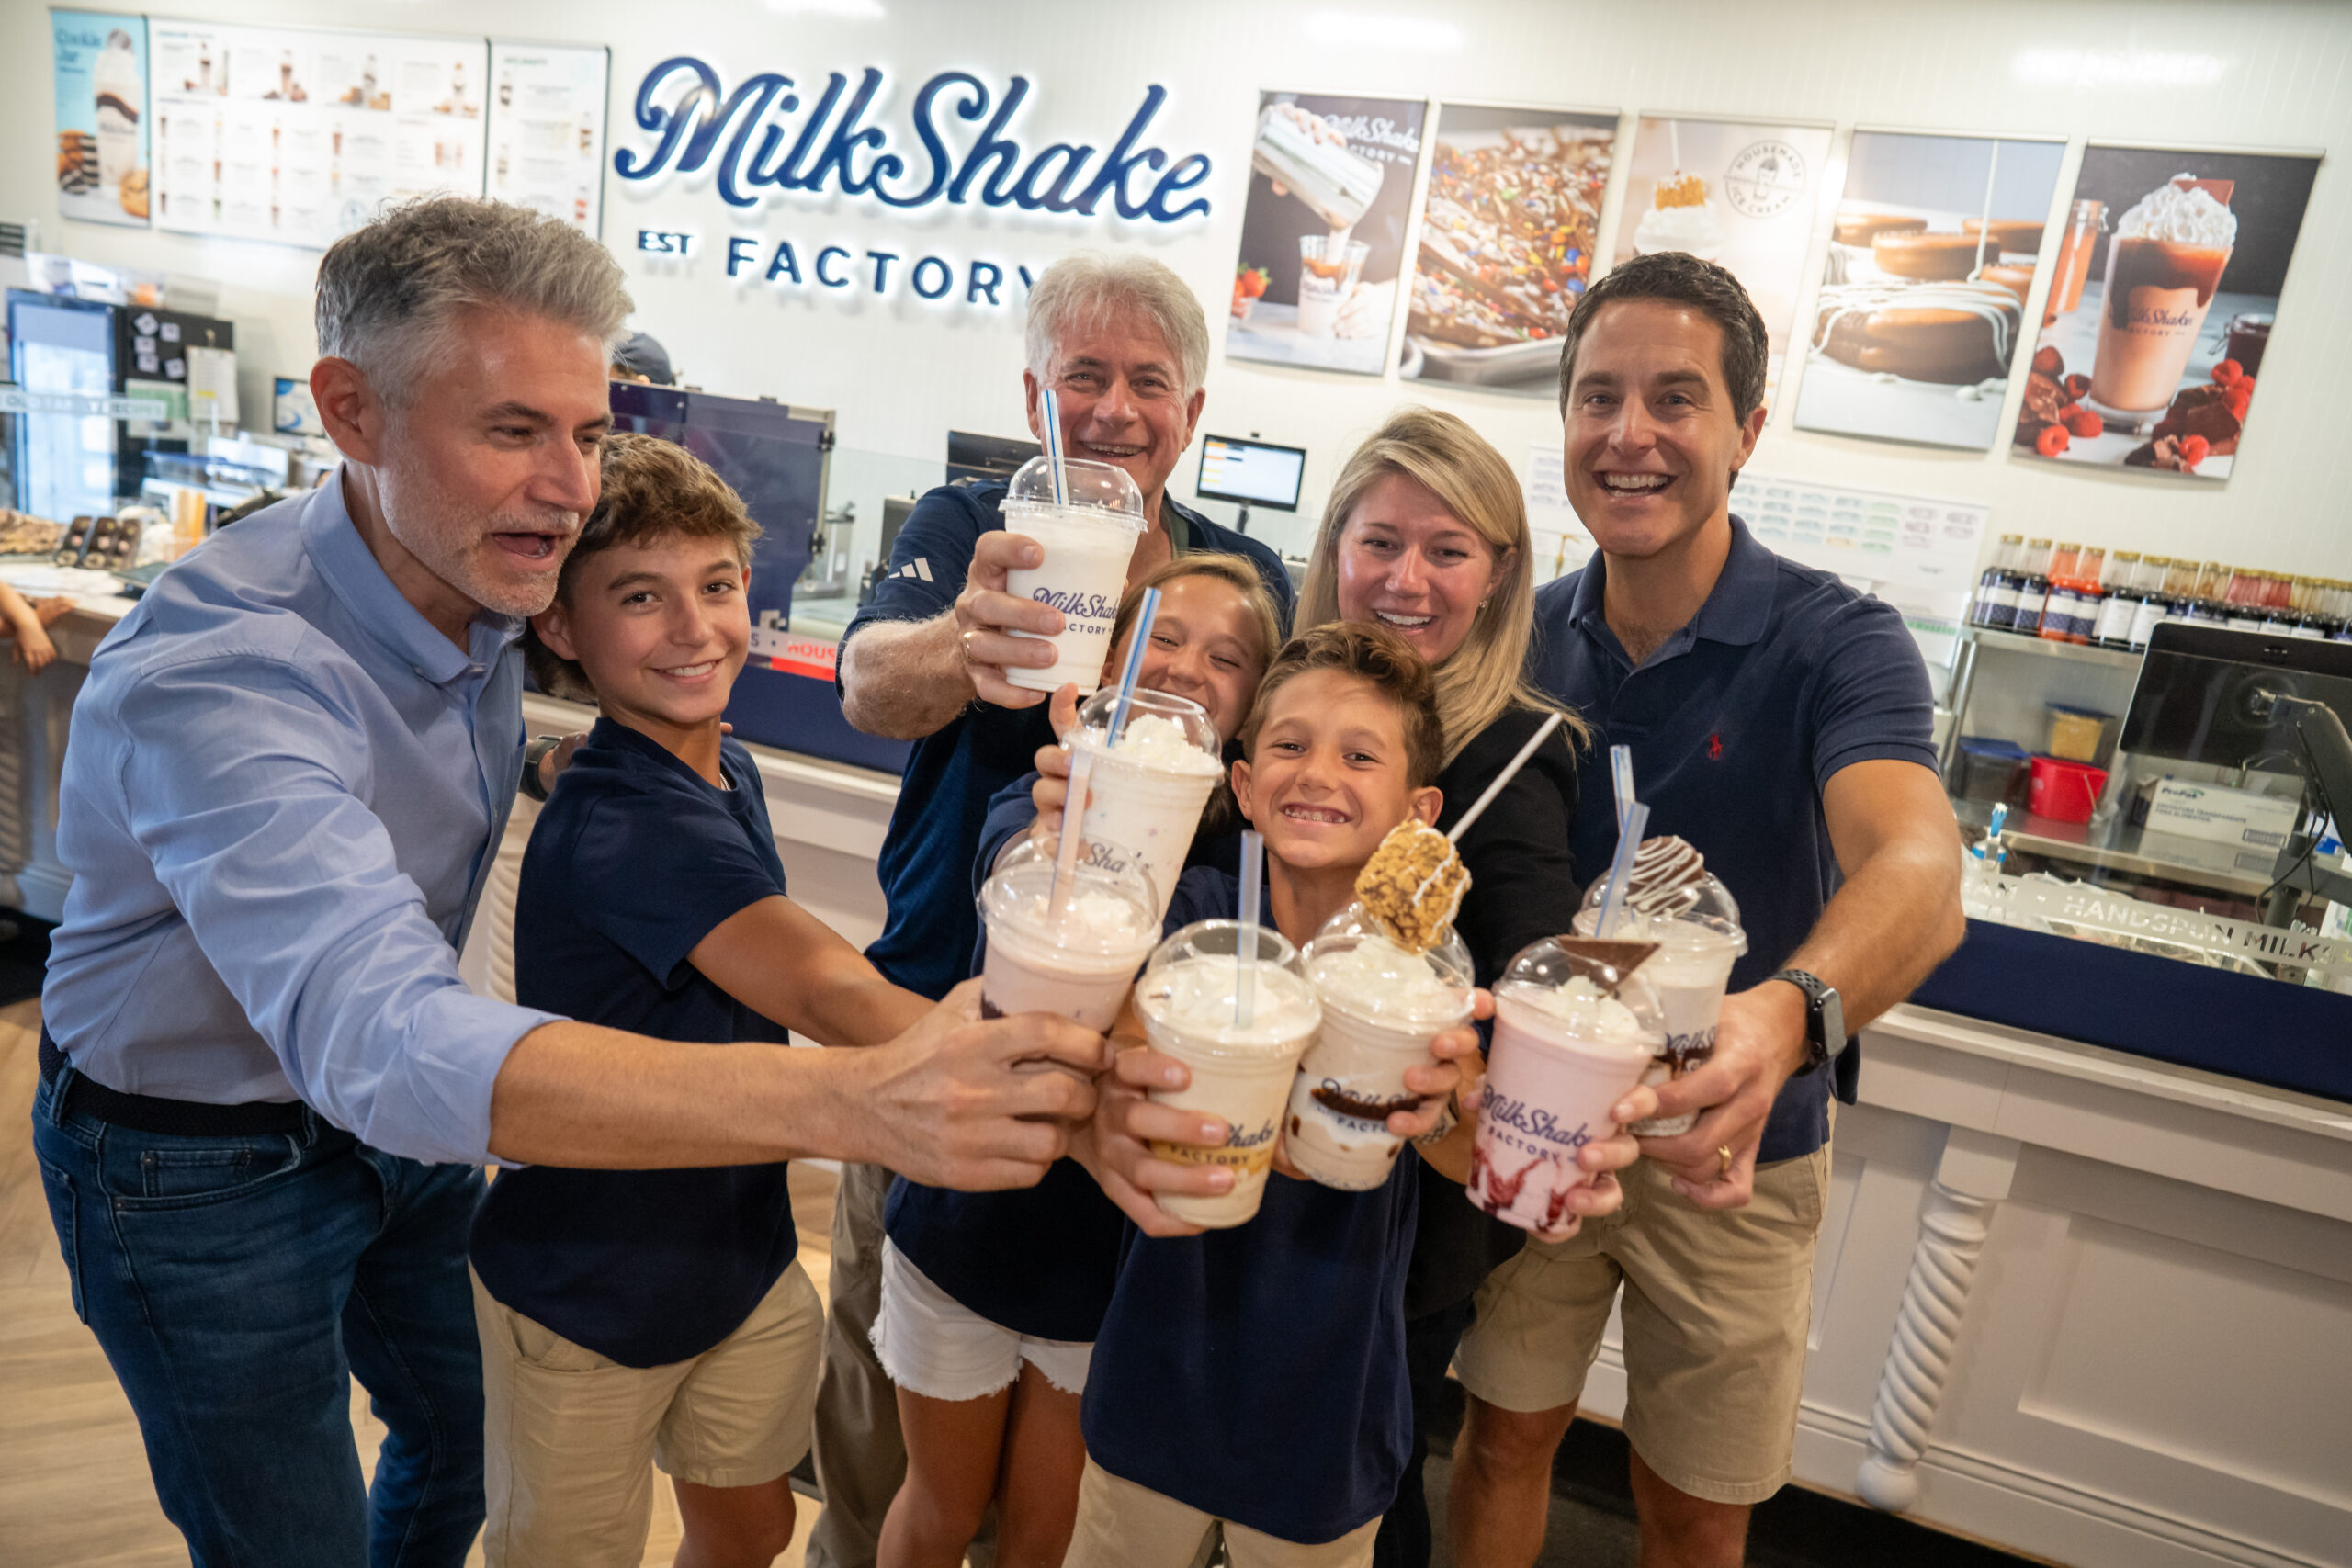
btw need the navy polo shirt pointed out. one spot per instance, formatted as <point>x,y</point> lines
<point>1258,1373</point>
<point>926,860</point>
<point>1737,724</point>
<point>636,859</point>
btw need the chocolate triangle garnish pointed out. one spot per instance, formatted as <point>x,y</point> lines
<point>1605,961</point>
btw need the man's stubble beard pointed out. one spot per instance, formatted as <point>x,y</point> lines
<point>444,539</point>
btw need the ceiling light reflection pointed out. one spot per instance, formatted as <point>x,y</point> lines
<point>2116,68</point>
<point>1361,30</point>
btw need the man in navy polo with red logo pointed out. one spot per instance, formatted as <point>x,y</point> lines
<point>1780,721</point>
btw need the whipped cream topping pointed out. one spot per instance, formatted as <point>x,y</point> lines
<point>1378,977</point>
<point>1096,919</point>
<point>1692,228</point>
<point>1195,997</point>
<point>2182,214</point>
<point>1157,742</point>
<point>1588,1012</point>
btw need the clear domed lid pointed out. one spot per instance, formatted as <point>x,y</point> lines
<point>1358,970</point>
<point>1182,735</point>
<point>1596,987</point>
<point>1191,985</point>
<point>1113,905</point>
<point>1100,487</point>
<point>1670,885</point>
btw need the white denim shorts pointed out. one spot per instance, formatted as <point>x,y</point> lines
<point>933,1345</point>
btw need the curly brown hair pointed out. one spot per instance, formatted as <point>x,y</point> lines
<point>652,489</point>
<point>1369,653</point>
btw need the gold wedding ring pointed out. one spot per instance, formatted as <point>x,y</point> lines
<point>1722,1153</point>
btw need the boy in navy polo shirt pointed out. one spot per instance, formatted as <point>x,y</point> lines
<point>1255,1377</point>
<point>631,1318</point>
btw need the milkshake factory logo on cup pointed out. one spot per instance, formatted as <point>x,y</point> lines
<point>1245,1149</point>
<point>1687,1051</point>
<point>1534,1121</point>
<point>1079,606</point>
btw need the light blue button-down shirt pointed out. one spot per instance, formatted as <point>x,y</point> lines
<point>282,795</point>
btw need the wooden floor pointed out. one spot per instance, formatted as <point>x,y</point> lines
<point>74,1486</point>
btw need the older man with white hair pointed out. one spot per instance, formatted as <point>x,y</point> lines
<point>265,1089</point>
<point>1124,344</point>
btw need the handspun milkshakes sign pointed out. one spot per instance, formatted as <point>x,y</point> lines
<point>769,136</point>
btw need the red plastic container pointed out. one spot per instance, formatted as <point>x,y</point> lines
<point>2064,791</point>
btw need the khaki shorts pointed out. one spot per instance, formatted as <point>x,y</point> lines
<point>1717,1308</point>
<point>1122,1525</point>
<point>571,1437</point>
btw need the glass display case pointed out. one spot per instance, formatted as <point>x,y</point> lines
<point>2156,841</point>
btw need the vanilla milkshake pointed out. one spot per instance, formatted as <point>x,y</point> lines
<point>1382,1005</point>
<point>1088,536</point>
<point>1076,960</point>
<point>1189,1001</point>
<point>1147,791</point>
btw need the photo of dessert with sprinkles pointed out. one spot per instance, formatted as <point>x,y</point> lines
<point>1932,264</point>
<point>1507,240</point>
<point>2172,266</point>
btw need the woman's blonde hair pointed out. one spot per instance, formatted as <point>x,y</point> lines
<point>1487,675</point>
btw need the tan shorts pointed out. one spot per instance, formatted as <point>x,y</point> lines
<point>1717,1306</point>
<point>571,1437</point>
<point>1122,1525</point>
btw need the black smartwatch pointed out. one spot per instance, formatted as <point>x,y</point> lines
<point>533,755</point>
<point>1825,1019</point>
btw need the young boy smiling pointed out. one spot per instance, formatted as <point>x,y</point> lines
<point>629,1318</point>
<point>1255,1377</point>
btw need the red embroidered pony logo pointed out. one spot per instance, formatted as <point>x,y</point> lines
<point>1714,748</point>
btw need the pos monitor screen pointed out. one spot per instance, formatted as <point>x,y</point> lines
<point>1253,473</point>
<point>2210,695</point>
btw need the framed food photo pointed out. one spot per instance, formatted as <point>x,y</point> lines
<point>1737,192</point>
<point>1508,229</point>
<point>1922,310</point>
<point>103,140</point>
<point>2163,298</point>
<point>1323,231</point>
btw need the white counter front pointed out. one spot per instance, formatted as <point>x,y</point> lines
<point>2087,1306</point>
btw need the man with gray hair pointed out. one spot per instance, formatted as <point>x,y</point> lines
<point>1124,346</point>
<point>264,1090</point>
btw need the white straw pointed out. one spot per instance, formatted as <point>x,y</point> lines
<point>1510,771</point>
<point>1245,939</point>
<point>1621,779</point>
<point>1081,763</point>
<point>1985,225</point>
<point>1674,140</point>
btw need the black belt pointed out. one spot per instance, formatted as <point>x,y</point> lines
<point>179,1118</point>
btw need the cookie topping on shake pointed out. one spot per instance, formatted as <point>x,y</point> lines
<point>1413,884</point>
<point>1666,878</point>
<point>1680,218</point>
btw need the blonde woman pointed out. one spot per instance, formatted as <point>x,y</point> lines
<point>1426,535</point>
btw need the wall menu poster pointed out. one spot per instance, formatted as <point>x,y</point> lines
<point>100,59</point>
<point>300,136</point>
<point>547,129</point>
<point>1323,231</point>
<point>1736,192</point>
<point>1921,313</point>
<point>2161,307</point>
<point>1508,229</point>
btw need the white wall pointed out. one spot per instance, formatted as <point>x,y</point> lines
<point>900,371</point>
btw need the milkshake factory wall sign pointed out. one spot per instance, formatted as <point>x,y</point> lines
<point>766,135</point>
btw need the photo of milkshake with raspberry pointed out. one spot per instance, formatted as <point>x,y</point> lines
<point>2162,267</point>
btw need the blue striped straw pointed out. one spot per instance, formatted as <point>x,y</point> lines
<point>1053,421</point>
<point>1620,777</point>
<point>1245,936</point>
<point>1144,617</point>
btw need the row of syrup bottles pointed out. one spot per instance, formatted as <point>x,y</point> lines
<point>2064,593</point>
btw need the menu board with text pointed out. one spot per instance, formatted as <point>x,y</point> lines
<point>300,135</point>
<point>547,129</point>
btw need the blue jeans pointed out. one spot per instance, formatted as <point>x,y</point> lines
<point>237,1284</point>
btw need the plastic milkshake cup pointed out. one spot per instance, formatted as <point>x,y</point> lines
<point>1699,939</point>
<point>1189,1003</point>
<point>1148,791</point>
<point>1088,539</point>
<point>1329,265</point>
<point>2164,264</point>
<point>1077,961</point>
<point>1572,1033</point>
<point>1382,1005</point>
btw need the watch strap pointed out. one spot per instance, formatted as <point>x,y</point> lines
<point>1815,989</point>
<point>533,755</point>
